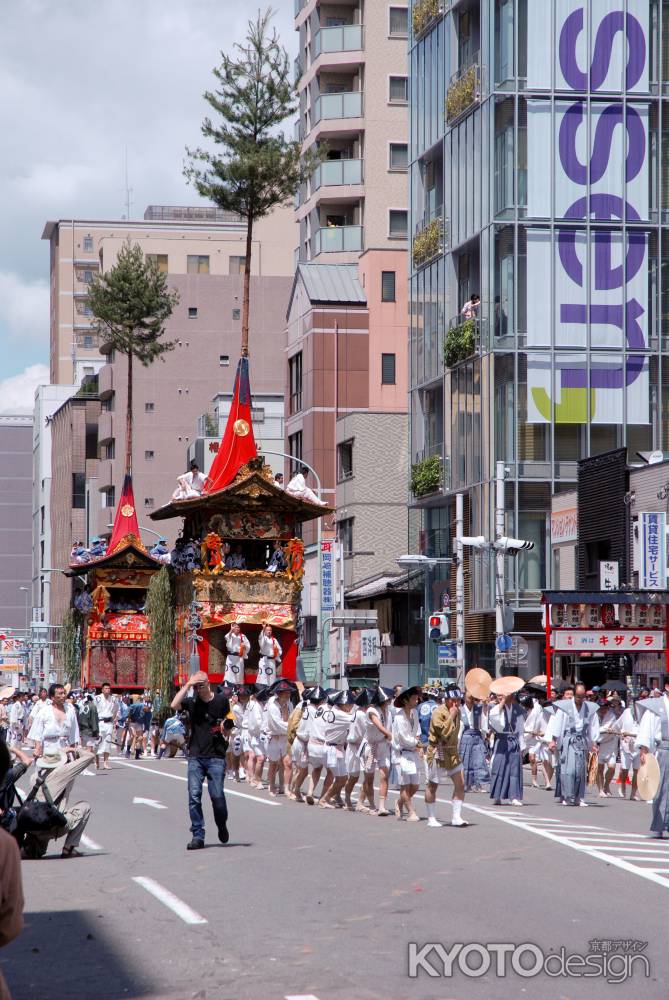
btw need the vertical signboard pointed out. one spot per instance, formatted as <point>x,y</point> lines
<point>596,149</point>
<point>327,577</point>
<point>653,550</point>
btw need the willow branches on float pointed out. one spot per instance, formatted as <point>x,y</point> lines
<point>160,614</point>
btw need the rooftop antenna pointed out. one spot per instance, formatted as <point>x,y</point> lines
<point>126,186</point>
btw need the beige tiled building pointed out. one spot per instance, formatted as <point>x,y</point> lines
<point>183,240</point>
<point>353,97</point>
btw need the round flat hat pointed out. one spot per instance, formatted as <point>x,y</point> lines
<point>7,692</point>
<point>477,682</point>
<point>541,680</point>
<point>648,778</point>
<point>506,685</point>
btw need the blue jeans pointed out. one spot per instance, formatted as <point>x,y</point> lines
<point>213,769</point>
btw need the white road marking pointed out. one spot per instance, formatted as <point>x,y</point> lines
<point>168,899</point>
<point>593,850</point>
<point>88,773</point>
<point>91,845</point>
<point>154,803</point>
<point>301,996</point>
<point>180,777</point>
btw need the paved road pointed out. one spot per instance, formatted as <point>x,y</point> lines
<point>317,904</point>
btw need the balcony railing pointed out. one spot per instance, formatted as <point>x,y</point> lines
<point>348,105</point>
<point>429,239</point>
<point>344,38</point>
<point>332,173</point>
<point>463,93</point>
<point>338,239</point>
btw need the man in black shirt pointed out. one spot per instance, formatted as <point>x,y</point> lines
<point>208,717</point>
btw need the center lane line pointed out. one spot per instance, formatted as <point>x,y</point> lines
<point>168,899</point>
<point>180,777</point>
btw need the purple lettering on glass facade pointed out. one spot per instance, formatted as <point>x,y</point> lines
<point>610,25</point>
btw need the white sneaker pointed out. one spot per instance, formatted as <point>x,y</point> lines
<point>458,822</point>
<point>434,823</point>
<point>583,805</point>
<point>516,802</point>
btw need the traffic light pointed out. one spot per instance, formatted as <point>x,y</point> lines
<point>439,626</point>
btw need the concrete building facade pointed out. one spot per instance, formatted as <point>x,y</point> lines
<point>352,81</point>
<point>183,240</point>
<point>15,521</point>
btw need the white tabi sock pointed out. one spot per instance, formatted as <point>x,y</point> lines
<point>457,809</point>
<point>430,810</point>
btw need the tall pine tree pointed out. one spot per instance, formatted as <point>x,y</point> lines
<point>255,168</point>
<point>131,303</point>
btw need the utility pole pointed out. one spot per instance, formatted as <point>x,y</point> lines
<point>342,633</point>
<point>459,589</point>
<point>499,552</point>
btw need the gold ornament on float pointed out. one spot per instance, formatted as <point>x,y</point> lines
<point>241,428</point>
<point>127,510</point>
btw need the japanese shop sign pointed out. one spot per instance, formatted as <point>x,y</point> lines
<point>653,550</point>
<point>608,641</point>
<point>327,581</point>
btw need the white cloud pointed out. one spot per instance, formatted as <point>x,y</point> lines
<point>79,83</point>
<point>24,310</point>
<point>17,393</point>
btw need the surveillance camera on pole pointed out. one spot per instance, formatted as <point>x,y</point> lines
<point>512,545</point>
<point>475,541</point>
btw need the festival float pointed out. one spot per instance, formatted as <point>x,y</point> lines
<point>244,512</point>
<point>116,632</point>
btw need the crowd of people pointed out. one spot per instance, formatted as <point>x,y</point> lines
<point>329,747</point>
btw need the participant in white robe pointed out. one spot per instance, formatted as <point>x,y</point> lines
<point>507,721</point>
<point>238,647</point>
<point>270,656</point>
<point>627,727</point>
<point>573,731</point>
<point>297,487</point>
<point>654,738</point>
<point>191,484</point>
<point>608,748</point>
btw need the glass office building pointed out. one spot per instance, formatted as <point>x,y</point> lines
<point>539,167</point>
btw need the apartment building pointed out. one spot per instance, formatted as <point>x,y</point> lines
<point>181,239</point>
<point>352,80</point>
<point>15,529</point>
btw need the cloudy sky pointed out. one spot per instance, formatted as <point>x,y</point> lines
<point>79,82</point>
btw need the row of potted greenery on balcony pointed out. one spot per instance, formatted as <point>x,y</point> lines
<point>460,342</point>
<point>423,13</point>
<point>428,242</point>
<point>462,93</point>
<point>426,476</point>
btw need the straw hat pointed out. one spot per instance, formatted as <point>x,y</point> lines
<point>506,685</point>
<point>648,778</point>
<point>477,682</point>
<point>7,692</point>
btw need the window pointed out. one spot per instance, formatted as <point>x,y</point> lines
<point>295,382</point>
<point>399,22</point>
<point>387,286</point>
<point>88,244</point>
<point>109,449</point>
<point>197,263</point>
<point>236,265</point>
<point>344,461</point>
<point>309,632</point>
<point>399,156</point>
<point>387,369</point>
<point>224,360</point>
<point>88,276</point>
<point>192,312</point>
<point>87,309</point>
<point>107,405</point>
<point>148,501</point>
<point>295,451</point>
<point>258,415</point>
<point>88,341</point>
<point>79,490</point>
<point>160,260</point>
<point>149,407</point>
<point>109,497</point>
<point>346,535</point>
<point>236,313</point>
<point>398,90</point>
<point>148,455</point>
<point>397,223</point>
